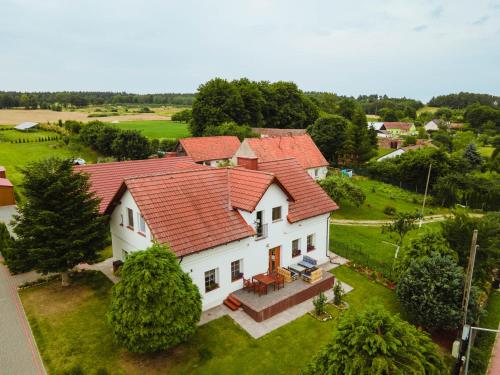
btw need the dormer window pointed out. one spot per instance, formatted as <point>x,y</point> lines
<point>277,213</point>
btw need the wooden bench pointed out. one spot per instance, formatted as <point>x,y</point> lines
<point>287,275</point>
<point>313,276</point>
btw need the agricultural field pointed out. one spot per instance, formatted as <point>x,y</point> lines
<point>380,195</point>
<point>427,109</point>
<point>157,129</point>
<point>486,152</point>
<point>16,116</point>
<point>15,156</point>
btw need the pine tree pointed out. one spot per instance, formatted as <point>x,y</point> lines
<point>59,225</point>
<point>375,342</point>
<point>155,306</point>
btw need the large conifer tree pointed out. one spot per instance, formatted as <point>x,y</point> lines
<point>58,225</point>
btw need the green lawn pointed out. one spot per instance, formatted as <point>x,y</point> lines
<point>484,341</point>
<point>380,195</point>
<point>70,328</point>
<point>15,156</point>
<point>158,128</point>
<point>486,152</point>
<point>368,246</point>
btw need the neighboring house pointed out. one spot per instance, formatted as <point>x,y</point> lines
<point>209,150</point>
<point>376,125</point>
<point>106,178</point>
<point>402,150</point>
<point>222,223</point>
<point>397,129</point>
<point>7,197</point>
<point>26,126</point>
<point>432,126</point>
<point>387,142</point>
<point>274,132</point>
<point>300,147</point>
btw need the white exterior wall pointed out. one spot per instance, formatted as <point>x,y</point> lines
<point>244,150</point>
<point>318,173</point>
<point>253,253</point>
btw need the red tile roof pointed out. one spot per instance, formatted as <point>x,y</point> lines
<point>397,125</point>
<point>193,210</point>
<point>4,182</point>
<point>309,198</point>
<point>106,178</point>
<point>210,148</point>
<point>300,147</point>
<point>275,132</point>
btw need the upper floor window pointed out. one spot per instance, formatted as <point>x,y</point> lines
<point>316,173</point>
<point>141,223</point>
<point>310,242</point>
<point>130,216</point>
<point>277,213</point>
<point>296,248</point>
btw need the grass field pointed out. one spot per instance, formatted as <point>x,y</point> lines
<point>427,109</point>
<point>368,246</point>
<point>158,129</point>
<point>380,195</point>
<point>15,156</point>
<point>486,152</point>
<point>70,328</point>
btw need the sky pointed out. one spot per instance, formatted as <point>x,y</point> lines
<point>416,49</point>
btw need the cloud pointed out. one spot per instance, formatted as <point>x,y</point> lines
<point>420,28</point>
<point>437,12</point>
<point>480,20</point>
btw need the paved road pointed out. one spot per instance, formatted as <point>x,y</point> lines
<point>18,352</point>
<point>379,223</point>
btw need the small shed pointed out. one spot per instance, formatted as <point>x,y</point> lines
<point>6,193</point>
<point>23,126</point>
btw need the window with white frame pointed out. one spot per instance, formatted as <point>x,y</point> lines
<point>211,280</point>
<point>311,242</point>
<point>236,273</point>
<point>276,213</point>
<point>296,248</point>
<point>130,217</point>
<point>141,223</point>
<point>316,173</point>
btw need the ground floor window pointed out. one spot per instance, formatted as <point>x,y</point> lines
<point>310,242</point>
<point>211,280</point>
<point>236,273</point>
<point>296,248</point>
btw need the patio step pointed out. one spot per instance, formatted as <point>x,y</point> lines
<point>232,303</point>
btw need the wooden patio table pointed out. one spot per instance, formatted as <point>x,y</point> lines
<point>264,279</point>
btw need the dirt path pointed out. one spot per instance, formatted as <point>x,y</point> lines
<point>379,223</point>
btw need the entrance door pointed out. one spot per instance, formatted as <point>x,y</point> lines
<point>274,258</point>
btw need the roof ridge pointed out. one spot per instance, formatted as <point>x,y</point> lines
<point>166,173</point>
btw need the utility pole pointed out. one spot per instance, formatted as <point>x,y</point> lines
<point>425,195</point>
<point>468,278</point>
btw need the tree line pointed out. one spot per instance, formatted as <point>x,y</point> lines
<point>44,100</point>
<point>464,99</point>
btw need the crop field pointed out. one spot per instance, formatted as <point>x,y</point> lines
<point>16,116</point>
<point>157,129</point>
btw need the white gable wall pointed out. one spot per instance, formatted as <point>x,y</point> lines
<point>318,173</point>
<point>253,253</point>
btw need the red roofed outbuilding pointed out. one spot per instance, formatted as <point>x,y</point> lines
<point>208,150</point>
<point>300,147</point>
<point>7,197</point>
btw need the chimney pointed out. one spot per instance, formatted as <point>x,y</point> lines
<point>2,172</point>
<point>248,162</point>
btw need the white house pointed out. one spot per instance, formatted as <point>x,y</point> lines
<point>300,147</point>
<point>209,151</point>
<point>223,223</point>
<point>432,126</point>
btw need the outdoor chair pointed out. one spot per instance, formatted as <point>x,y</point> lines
<point>279,281</point>
<point>248,285</point>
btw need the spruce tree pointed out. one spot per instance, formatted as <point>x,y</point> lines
<point>58,225</point>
